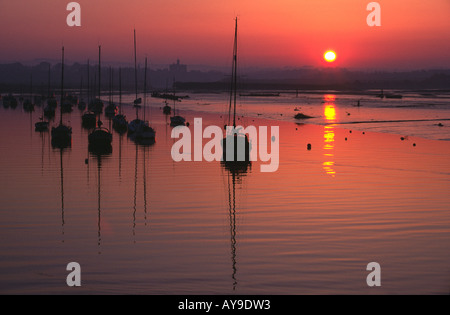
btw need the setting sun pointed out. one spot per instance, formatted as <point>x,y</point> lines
<point>330,56</point>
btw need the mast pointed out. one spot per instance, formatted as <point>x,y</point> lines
<point>135,66</point>
<point>62,86</point>
<point>49,67</point>
<point>120,90</point>
<point>145,86</point>
<point>81,88</point>
<point>88,86</point>
<point>110,85</point>
<point>62,189</point>
<point>233,80</point>
<point>135,77</point>
<point>31,87</point>
<point>99,71</point>
<point>235,73</point>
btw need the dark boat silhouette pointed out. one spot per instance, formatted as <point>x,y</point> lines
<point>167,110</point>
<point>81,103</point>
<point>235,138</point>
<point>136,124</point>
<point>28,105</point>
<point>89,120</point>
<point>100,137</point>
<point>144,133</point>
<point>62,134</point>
<point>111,109</point>
<point>120,123</point>
<point>96,105</point>
<point>41,126</point>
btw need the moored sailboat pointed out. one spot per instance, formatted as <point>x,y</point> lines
<point>120,123</point>
<point>62,134</point>
<point>137,123</point>
<point>145,134</point>
<point>233,137</point>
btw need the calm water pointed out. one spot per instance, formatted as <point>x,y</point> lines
<point>137,222</point>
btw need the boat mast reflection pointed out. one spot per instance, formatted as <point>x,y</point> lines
<point>61,166</point>
<point>99,152</point>
<point>235,172</point>
<point>145,149</point>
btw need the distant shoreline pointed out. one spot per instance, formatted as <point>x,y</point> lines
<point>16,78</point>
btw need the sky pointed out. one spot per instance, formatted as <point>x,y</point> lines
<point>414,34</point>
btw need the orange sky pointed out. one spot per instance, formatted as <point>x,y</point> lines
<point>414,33</point>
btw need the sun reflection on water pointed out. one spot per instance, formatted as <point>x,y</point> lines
<point>330,116</point>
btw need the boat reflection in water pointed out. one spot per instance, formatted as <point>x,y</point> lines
<point>99,153</point>
<point>235,173</point>
<point>61,150</point>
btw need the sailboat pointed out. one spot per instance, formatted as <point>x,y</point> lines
<point>41,125</point>
<point>235,137</point>
<point>89,118</point>
<point>100,139</point>
<point>9,101</point>
<point>96,105</point>
<point>50,108</point>
<point>176,120</point>
<point>120,123</point>
<point>111,109</point>
<point>137,123</point>
<point>81,103</point>
<point>167,110</point>
<point>28,105</point>
<point>62,134</point>
<point>144,133</point>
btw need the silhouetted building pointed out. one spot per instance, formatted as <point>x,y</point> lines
<point>178,67</point>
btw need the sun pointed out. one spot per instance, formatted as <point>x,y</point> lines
<point>329,56</point>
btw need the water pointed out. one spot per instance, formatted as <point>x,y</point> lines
<point>415,114</point>
<point>138,222</point>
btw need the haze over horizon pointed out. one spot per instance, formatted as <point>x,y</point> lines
<point>413,34</point>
